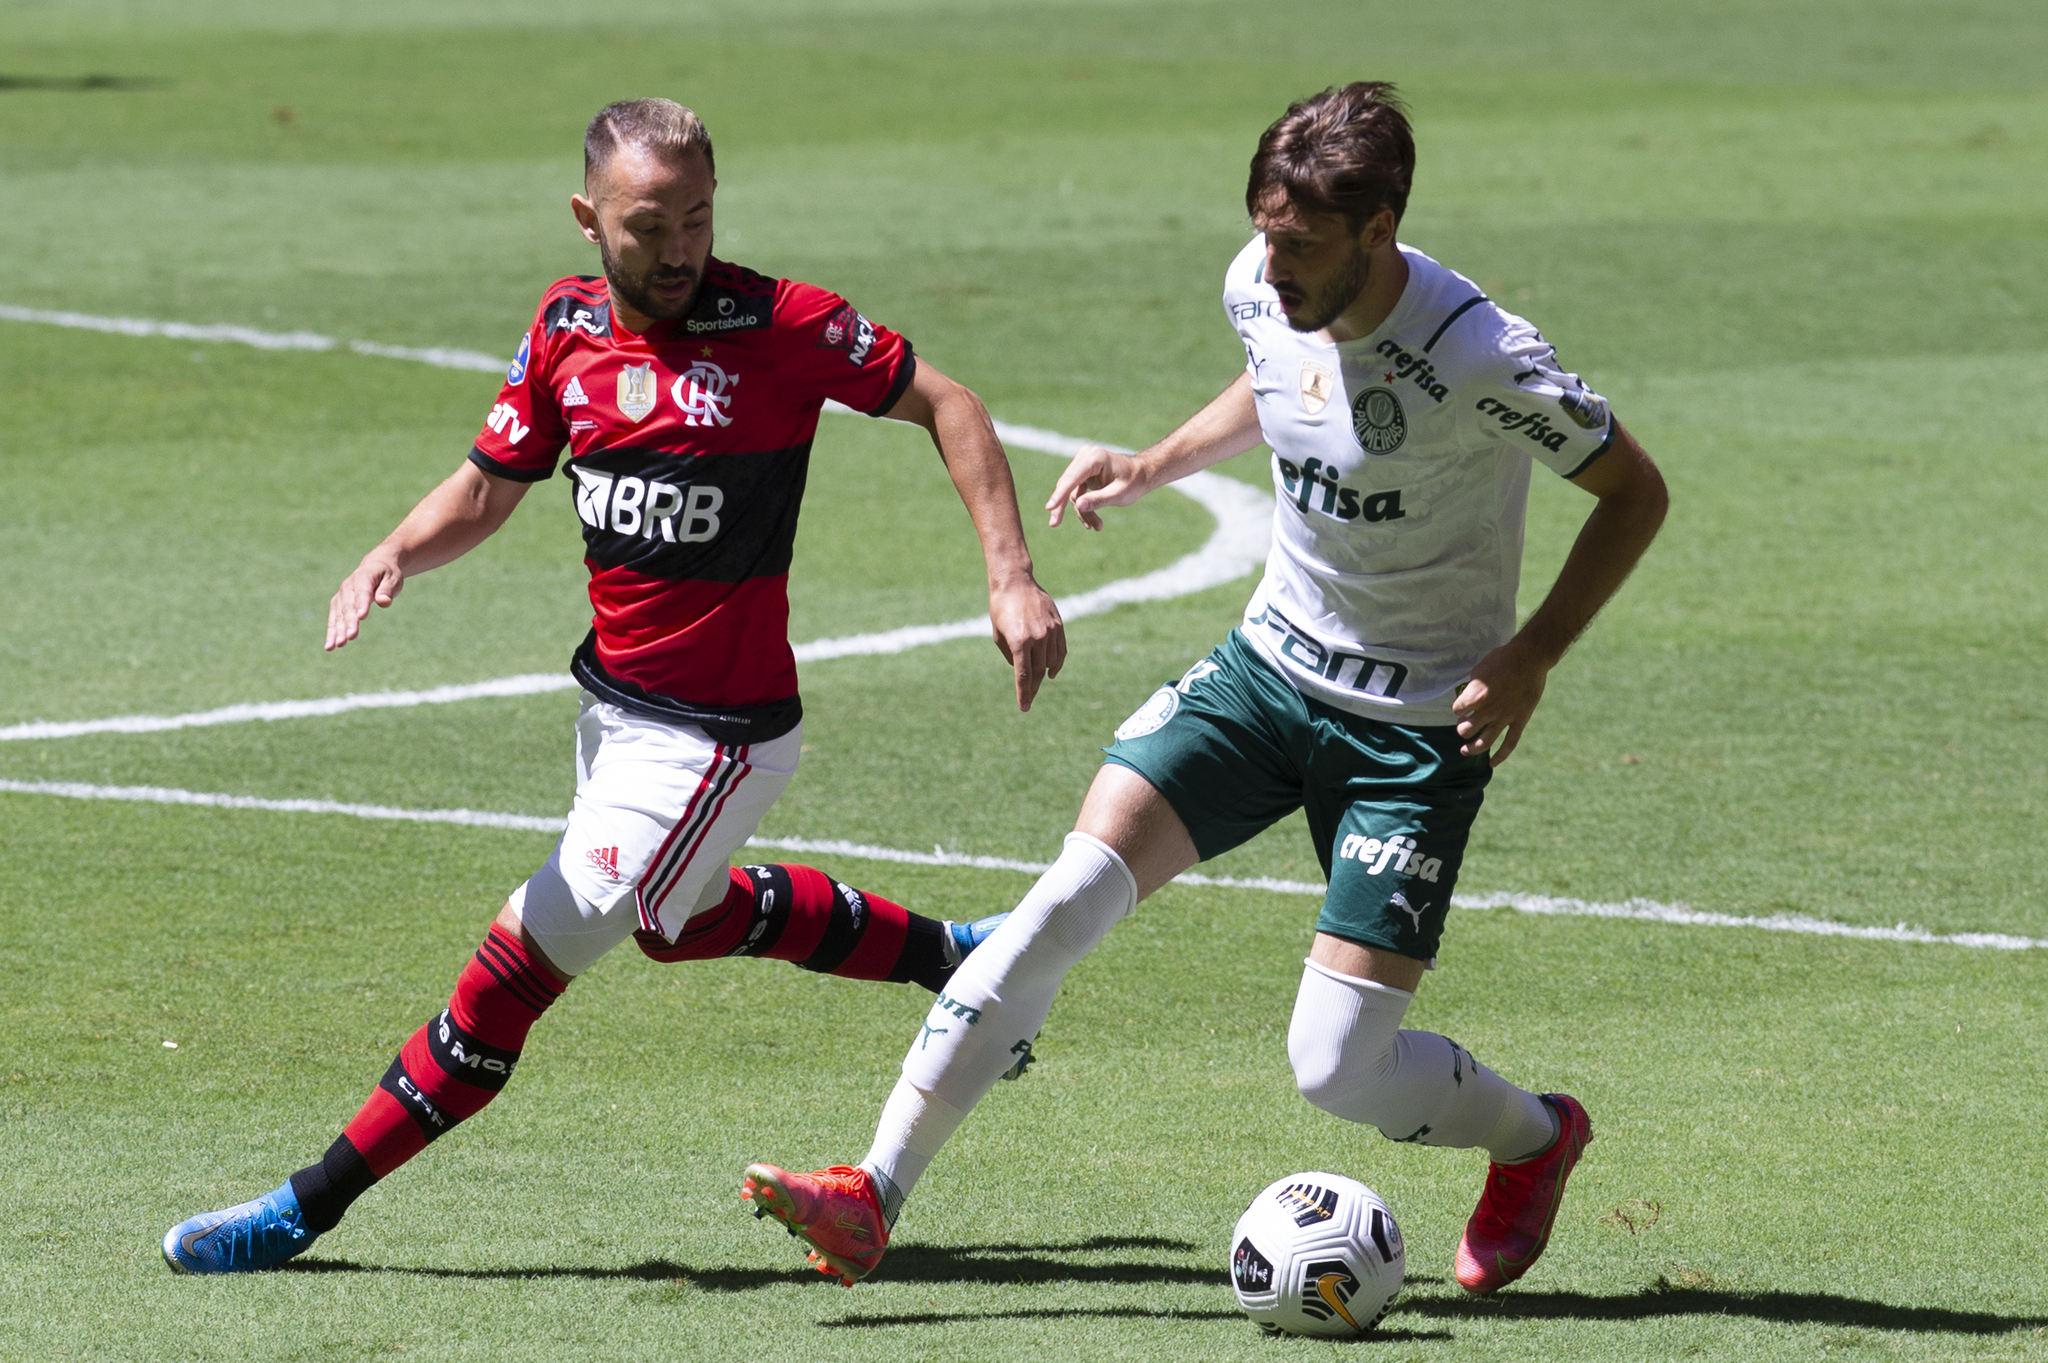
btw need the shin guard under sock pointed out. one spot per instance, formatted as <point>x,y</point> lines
<point>993,1007</point>
<point>446,1073</point>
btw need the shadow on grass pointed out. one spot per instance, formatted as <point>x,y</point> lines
<point>1790,1308</point>
<point>1656,1303</point>
<point>999,1264</point>
<point>1011,1264</point>
<point>1096,1313</point>
<point>78,84</point>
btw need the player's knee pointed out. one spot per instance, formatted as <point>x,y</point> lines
<point>1346,1081</point>
<point>1344,1043</point>
<point>1367,1093</point>
<point>1323,1083</point>
<point>509,922</point>
<point>568,932</point>
<point>1087,892</point>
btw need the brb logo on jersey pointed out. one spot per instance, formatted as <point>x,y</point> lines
<point>647,508</point>
<point>703,393</point>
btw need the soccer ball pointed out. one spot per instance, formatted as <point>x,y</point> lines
<point>1316,1254</point>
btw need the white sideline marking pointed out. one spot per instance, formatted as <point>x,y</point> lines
<point>442,357</point>
<point>1236,547</point>
<point>532,683</point>
<point>1638,910</point>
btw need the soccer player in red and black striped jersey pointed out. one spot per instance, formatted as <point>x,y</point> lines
<point>685,392</point>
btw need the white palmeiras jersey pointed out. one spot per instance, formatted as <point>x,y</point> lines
<point>1401,464</point>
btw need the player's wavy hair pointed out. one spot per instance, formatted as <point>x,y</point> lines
<point>1347,150</point>
<point>659,125</point>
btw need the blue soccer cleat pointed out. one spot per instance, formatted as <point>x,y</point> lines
<point>965,937</point>
<point>248,1238</point>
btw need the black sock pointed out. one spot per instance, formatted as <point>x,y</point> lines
<point>326,1189</point>
<point>927,955</point>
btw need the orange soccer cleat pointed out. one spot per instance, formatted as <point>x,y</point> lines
<point>836,1209</point>
<point>1511,1224</point>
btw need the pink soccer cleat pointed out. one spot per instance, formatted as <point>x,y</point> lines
<point>835,1209</point>
<point>1511,1224</point>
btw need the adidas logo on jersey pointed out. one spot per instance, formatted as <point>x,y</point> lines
<point>1530,424</point>
<point>605,859</point>
<point>573,395</point>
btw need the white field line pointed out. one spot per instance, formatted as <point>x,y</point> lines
<point>1637,910</point>
<point>1236,547</point>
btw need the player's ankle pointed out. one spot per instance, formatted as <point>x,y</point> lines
<point>886,1193</point>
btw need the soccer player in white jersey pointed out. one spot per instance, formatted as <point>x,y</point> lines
<point>1376,679</point>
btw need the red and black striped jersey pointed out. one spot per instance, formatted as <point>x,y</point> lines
<point>687,451</point>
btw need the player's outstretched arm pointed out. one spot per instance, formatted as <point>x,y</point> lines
<point>1027,624</point>
<point>1494,707</point>
<point>448,522</point>
<point>1100,476</point>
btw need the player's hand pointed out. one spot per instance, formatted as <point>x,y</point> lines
<point>1030,633</point>
<point>377,578</point>
<point>1494,707</point>
<point>1097,477</point>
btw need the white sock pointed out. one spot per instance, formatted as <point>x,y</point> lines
<point>1352,1059</point>
<point>913,1126</point>
<point>994,1005</point>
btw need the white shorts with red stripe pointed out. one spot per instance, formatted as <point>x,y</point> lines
<point>660,809</point>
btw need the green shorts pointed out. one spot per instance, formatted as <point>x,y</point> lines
<point>1235,748</point>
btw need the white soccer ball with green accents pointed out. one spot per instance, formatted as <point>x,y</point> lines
<point>1316,1254</point>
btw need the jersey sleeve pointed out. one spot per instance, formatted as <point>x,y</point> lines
<point>1247,297</point>
<point>1527,399</point>
<point>524,432</point>
<point>839,354</point>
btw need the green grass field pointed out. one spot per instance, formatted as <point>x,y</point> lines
<point>1795,245</point>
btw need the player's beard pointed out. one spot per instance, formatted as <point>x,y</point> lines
<point>1333,299</point>
<point>636,291</point>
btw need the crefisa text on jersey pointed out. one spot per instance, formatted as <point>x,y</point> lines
<point>1313,486</point>
<point>1415,368</point>
<point>1530,424</point>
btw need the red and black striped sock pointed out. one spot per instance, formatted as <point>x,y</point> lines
<point>446,1073</point>
<point>800,914</point>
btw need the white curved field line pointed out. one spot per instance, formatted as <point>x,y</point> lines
<point>1640,910</point>
<point>1237,546</point>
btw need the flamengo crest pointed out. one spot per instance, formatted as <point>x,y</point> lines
<point>702,392</point>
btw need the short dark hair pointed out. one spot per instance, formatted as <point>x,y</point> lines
<point>1347,150</point>
<point>659,125</point>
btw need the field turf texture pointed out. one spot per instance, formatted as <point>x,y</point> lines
<point>1799,248</point>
